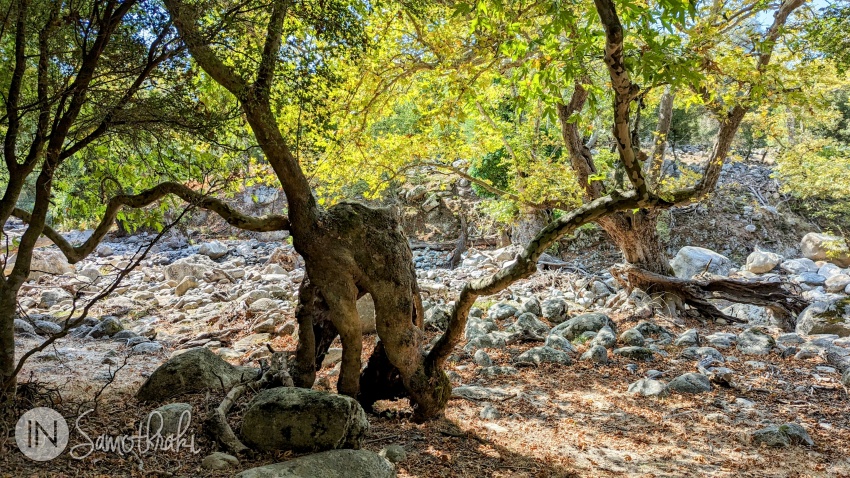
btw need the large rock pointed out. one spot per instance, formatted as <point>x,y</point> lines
<point>554,309</point>
<point>171,419</point>
<point>329,464</point>
<point>544,354</point>
<point>690,261</point>
<point>837,283</point>
<point>529,327</point>
<point>195,265</point>
<point>366,311</point>
<point>823,247</point>
<point>690,382</point>
<point>649,388</point>
<point>782,435</point>
<point>755,341</point>
<point>51,297</point>
<point>579,324</point>
<point>753,314</point>
<point>437,317</point>
<point>759,261</point>
<point>799,266</point>
<point>43,262</point>
<point>196,370</point>
<point>213,250</point>
<point>107,326</point>
<point>303,420</point>
<point>825,318</point>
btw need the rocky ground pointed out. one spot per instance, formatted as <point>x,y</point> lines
<point>563,374</point>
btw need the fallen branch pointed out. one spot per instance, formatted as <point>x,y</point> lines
<point>697,292</point>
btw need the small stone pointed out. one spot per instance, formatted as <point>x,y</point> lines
<point>489,412</point>
<point>760,261</point>
<point>697,353</point>
<point>104,251</point>
<point>213,250</point>
<point>394,453</point>
<point>688,338</point>
<point>755,341</point>
<point>560,343</point>
<point>482,359</point>
<point>188,283</point>
<point>532,306</point>
<point>219,461</point>
<point>554,309</point>
<point>596,354</point>
<point>147,348</point>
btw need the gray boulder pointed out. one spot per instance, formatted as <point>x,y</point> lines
<point>823,247</point>
<point>195,265</point>
<point>554,309</point>
<point>760,261</point>
<point>23,327</point>
<point>106,327</point>
<point>560,343</point>
<point>303,420</point>
<point>482,359</point>
<point>649,388</point>
<point>544,354</point>
<point>688,338</point>
<point>697,353</point>
<point>690,382</point>
<point>845,379</point>
<point>329,464</point>
<point>755,341</point>
<point>825,318</point>
<point>690,261</point>
<point>532,306</point>
<point>798,266</point>
<point>437,317</point>
<point>196,370</point>
<point>632,337</point>
<point>44,262</point>
<point>782,436</point>
<point>604,337</point>
<point>596,354</point>
<point>171,419</point>
<point>476,327</point>
<point>529,327</point>
<point>213,250</point>
<point>635,353</point>
<point>579,324</point>
<point>501,311</point>
<point>51,297</point>
<point>837,283</point>
<point>218,461</point>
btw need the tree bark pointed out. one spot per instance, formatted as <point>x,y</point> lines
<point>8,306</point>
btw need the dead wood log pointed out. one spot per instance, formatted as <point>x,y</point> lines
<point>698,292</point>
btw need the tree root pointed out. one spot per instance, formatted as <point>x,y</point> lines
<point>275,375</point>
<point>698,292</point>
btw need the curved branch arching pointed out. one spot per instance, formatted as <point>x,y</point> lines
<point>147,197</point>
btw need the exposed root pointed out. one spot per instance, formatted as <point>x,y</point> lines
<point>275,375</point>
<point>697,293</point>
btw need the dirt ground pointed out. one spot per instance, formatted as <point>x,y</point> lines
<point>575,420</point>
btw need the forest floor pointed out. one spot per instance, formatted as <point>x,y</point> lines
<point>554,420</point>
